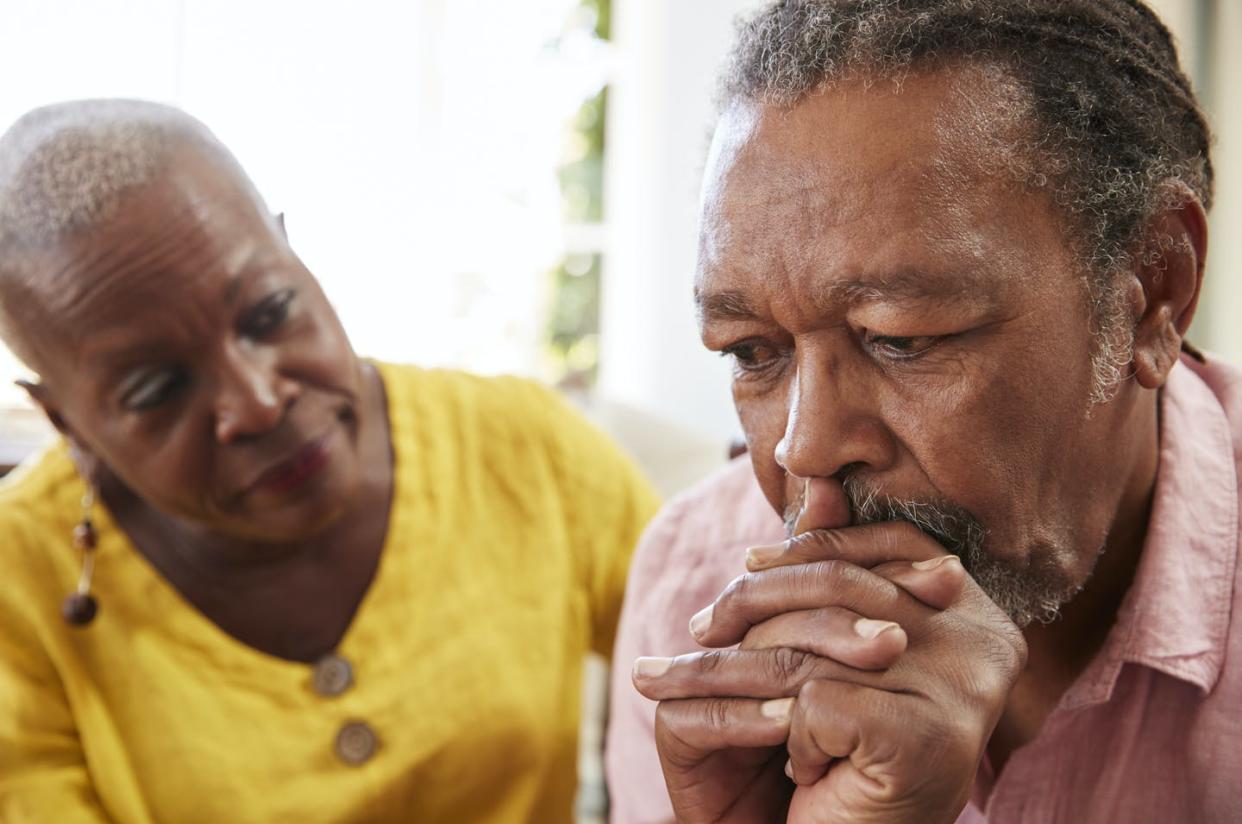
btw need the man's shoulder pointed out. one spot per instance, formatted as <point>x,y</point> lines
<point>726,507</point>
<point>698,537</point>
<point>1224,380</point>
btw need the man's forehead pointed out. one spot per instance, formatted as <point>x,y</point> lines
<point>880,121</point>
<point>732,295</point>
<point>862,186</point>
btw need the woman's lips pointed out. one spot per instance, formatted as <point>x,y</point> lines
<point>292,473</point>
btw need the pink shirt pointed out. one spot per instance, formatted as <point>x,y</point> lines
<point>1152,729</point>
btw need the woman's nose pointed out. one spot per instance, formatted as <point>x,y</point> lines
<point>252,397</point>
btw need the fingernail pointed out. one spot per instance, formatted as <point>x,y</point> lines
<point>789,769</point>
<point>806,489</point>
<point>933,563</point>
<point>651,667</point>
<point>701,620</point>
<point>867,628</point>
<point>761,556</point>
<point>778,709</point>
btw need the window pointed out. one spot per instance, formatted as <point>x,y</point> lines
<point>439,163</point>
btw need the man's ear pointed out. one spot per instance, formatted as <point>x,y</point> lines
<point>87,462</point>
<point>1170,271</point>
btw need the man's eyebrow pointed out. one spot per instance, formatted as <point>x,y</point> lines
<point>895,287</point>
<point>724,305</point>
<point>911,285</point>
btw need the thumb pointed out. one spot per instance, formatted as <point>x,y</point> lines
<point>824,506</point>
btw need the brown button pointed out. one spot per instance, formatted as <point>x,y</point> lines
<point>332,675</point>
<point>356,743</point>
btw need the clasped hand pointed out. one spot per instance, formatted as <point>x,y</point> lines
<point>869,673</point>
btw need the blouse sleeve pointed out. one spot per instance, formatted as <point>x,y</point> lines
<point>608,504</point>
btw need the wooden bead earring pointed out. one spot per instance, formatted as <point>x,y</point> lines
<point>79,608</point>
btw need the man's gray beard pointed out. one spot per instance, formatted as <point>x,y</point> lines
<point>1025,593</point>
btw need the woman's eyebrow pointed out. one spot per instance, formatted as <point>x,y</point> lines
<point>126,356</point>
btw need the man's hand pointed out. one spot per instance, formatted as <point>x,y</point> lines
<point>889,721</point>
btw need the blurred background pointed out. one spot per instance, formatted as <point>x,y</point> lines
<point>500,185</point>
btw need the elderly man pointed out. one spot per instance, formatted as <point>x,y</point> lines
<point>953,249</point>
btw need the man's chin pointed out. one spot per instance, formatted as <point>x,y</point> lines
<point>1031,593</point>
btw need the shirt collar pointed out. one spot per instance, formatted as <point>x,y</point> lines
<point>1175,618</point>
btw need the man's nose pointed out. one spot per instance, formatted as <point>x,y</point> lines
<point>252,395</point>
<point>832,422</point>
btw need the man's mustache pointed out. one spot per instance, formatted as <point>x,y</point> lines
<point>952,526</point>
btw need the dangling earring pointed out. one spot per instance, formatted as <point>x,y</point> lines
<point>79,609</point>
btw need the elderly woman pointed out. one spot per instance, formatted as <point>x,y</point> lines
<point>261,579</point>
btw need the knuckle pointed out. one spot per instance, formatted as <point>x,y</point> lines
<point>896,537</point>
<point>818,544</point>
<point>812,693</point>
<point>710,662</point>
<point>1017,645</point>
<point>991,671</point>
<point>668,718</point>
<point>905,532</point>
<point>830,574</point>
<point>790,667</point>
<point>736,592</point>
<point>671,728</point>
<point>854,587</point>
<point>717,714</point>
<point>945,742</point>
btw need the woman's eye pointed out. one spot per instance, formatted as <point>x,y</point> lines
<point>751,356</point>
<point>150,388</point>
<point>899,347</point>
<point>268,315</point>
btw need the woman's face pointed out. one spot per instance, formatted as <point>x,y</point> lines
<point>184,346</point>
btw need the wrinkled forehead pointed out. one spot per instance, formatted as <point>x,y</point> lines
<point>197,226</point>
<point>197,206</point>
<point>893,174</point>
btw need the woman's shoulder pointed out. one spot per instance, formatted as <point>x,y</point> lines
<point>40,502</point>
<point>44,489</point>
<point>504,427</point>
<point>469,404</point>
<point>447,385</point>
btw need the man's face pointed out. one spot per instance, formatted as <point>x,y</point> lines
<point>903,320</point>
<point>186,346</point>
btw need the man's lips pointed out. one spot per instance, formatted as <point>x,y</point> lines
<point>297,469</point>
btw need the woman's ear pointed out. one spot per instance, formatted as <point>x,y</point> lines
<point>87,462</point>
<point>42,398</point>
<point>1170,271</point>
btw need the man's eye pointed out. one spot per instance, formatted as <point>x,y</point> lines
<point>751,356</point>
<point>899,347</point>
<point>150,388</point>
<point>268,315</point>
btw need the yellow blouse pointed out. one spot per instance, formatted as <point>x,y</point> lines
<point>510,534</point>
